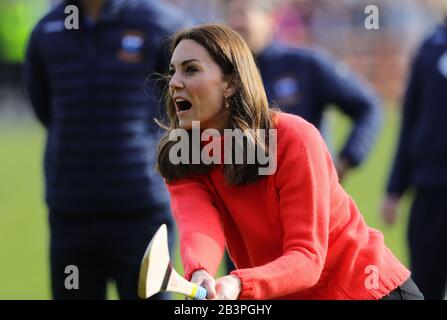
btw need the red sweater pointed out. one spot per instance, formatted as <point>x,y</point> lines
<point>295,234</point>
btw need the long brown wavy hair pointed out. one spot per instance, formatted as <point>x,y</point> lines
<point>248,105</point>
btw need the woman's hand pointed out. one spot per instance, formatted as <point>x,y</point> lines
<point>204,279</point>
<point>228,287</point>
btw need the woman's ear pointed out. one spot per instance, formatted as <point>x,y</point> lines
<point>228,93</point>
<point>230,88</point>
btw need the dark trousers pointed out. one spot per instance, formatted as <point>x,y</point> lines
<point>427,236</point>
<point>102,249</point>
<point>406,291</point>
<point>229,265</point>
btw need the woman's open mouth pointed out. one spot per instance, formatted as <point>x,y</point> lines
<point>182,105</point>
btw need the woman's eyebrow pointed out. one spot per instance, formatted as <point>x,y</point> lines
<point>184,62</point>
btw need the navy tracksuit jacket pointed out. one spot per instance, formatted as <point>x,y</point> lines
<point>421,157</point>
<point>306,82</point>
<point>88,88</point>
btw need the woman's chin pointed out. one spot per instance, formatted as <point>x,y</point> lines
<point>185,124</point>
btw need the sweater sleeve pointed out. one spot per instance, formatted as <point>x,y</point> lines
<point>202,240</point>
<point>305,172</point>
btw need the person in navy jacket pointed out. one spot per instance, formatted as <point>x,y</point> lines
<point>306,82</point>
<point>89,88</point>
<point>420,164</point>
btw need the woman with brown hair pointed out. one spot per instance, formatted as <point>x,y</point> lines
<point>293,233</point>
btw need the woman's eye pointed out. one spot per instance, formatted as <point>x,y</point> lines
<point>191,70</point>
<point>171,72</point>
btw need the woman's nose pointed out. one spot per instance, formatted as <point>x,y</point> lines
<point>175,82</point>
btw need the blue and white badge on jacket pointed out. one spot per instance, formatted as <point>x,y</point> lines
<point>442,64</point>
<point>287,91</point>
<point>132,43</point>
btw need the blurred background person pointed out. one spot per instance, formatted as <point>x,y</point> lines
<point>105,200</point>
<point>420,163</point>
<point>306,82</point>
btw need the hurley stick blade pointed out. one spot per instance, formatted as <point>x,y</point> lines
<point>155,266</point>
<point>157,274</point>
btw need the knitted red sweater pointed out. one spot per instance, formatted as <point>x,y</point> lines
<point>295,234</point>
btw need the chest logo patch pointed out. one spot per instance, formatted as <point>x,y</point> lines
<point>442,64</point>
<point>131,50</point>
<point>287,91</point>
